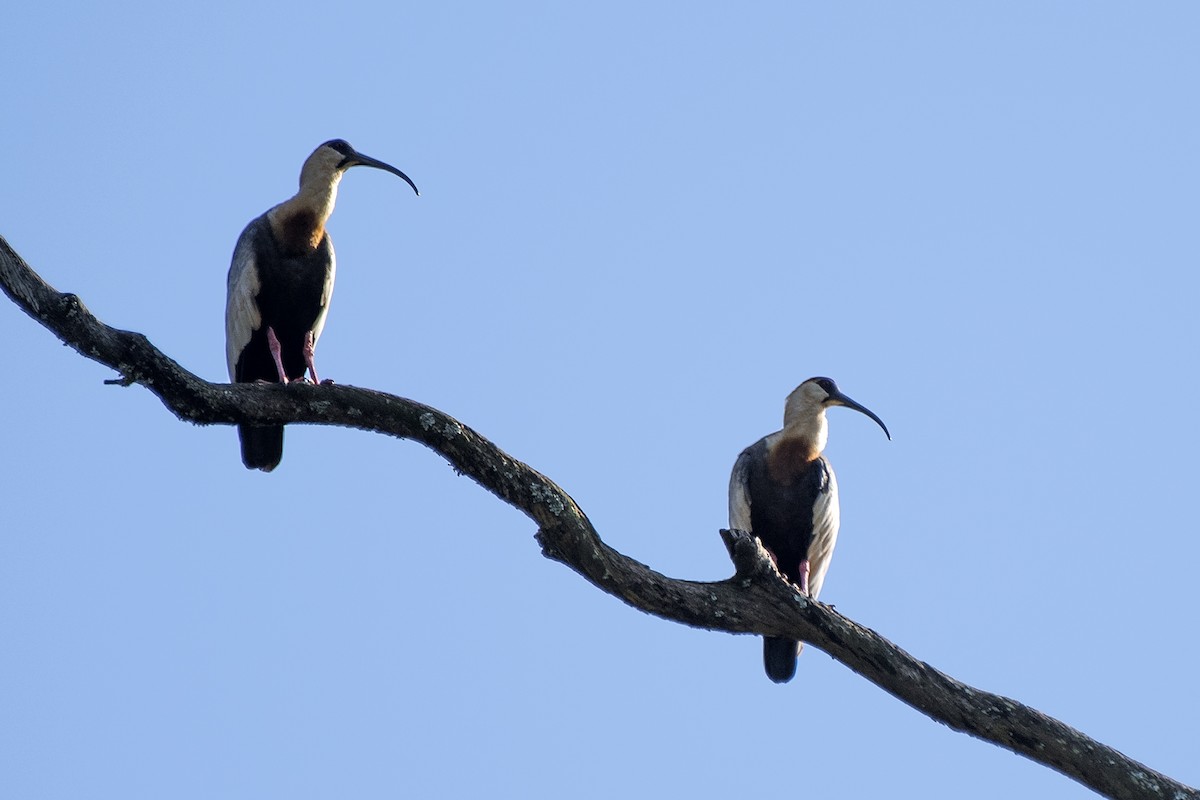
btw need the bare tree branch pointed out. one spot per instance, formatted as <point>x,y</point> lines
<point>755,600</point>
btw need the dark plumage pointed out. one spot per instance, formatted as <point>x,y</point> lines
<point>786,492</point>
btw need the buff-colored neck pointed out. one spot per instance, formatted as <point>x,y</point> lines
<point>804,419</point>
<point>300,221</point>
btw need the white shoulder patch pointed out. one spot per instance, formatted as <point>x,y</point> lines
<point>826,520</point>
<point>326,293</point>
<point>242,316</point>
<point>739,494</point>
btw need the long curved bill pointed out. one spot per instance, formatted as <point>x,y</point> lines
<point>360,160</point>
<point>842,400</point>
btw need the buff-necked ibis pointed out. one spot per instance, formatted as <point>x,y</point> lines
<point>784,492</point>
<point>279,287</point>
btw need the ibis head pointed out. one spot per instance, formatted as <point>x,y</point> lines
<point>331,159</point>
<point>809,400</point>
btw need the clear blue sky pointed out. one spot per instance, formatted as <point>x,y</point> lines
<point>641,225</point>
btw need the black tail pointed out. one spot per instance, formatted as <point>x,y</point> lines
<point>779,657</point>
<point>262,446</point>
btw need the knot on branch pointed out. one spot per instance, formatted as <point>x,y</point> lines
<point>545,540</point>
<point>72,304</point>
<point>750,559</point>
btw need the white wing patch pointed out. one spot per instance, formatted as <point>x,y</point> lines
<point>326,295</point>
<point>242,316</point>
<point>826,520</point>
<point>739,497</point>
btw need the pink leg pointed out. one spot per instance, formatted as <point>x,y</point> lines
<point>276,350</point>
<point>309,350</point>
<point>804,577</point>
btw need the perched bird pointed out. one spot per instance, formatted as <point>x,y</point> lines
<point>279,287</point>
<point>784,492</point>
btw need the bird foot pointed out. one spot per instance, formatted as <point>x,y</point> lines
<point>310,344</point>
<point>327,382</point>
